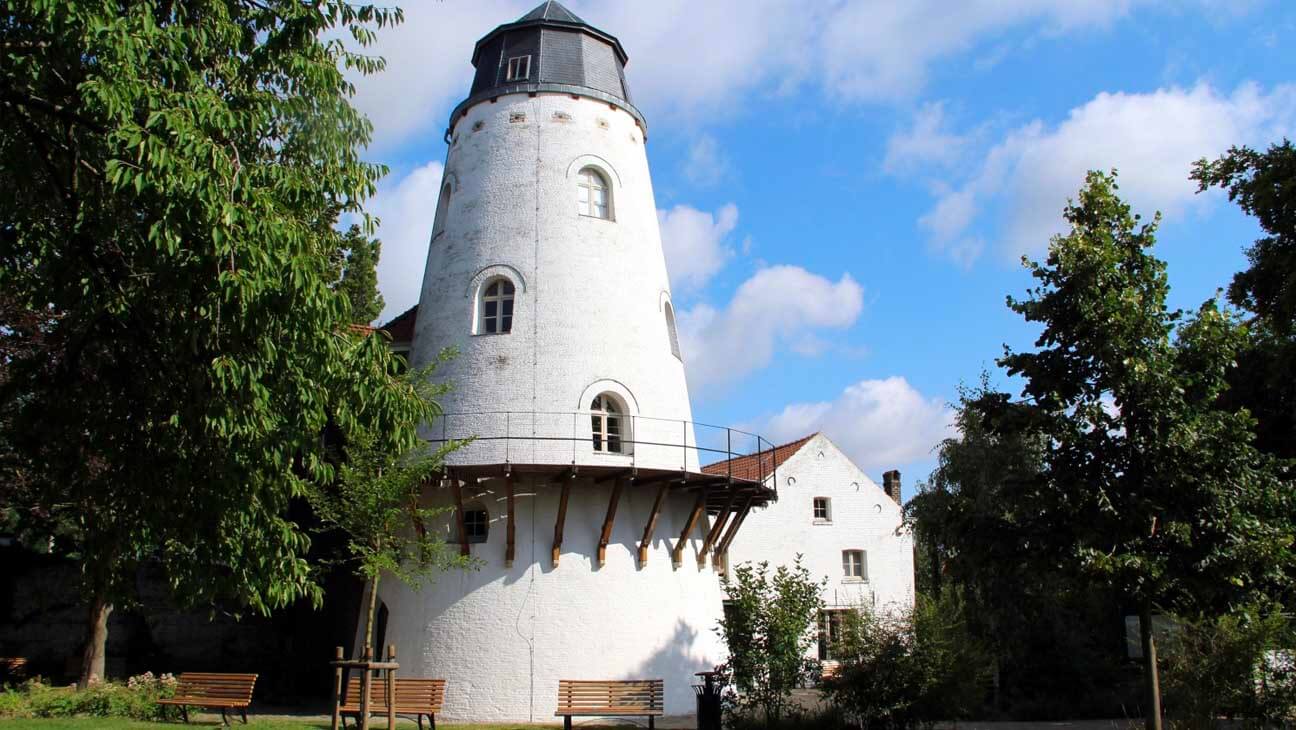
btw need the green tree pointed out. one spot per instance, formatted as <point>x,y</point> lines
<point>376,502</point>
<point>1263,184</point>
<point>1148,486</point>
<point>978,524</point>
<point>169,174</point>
<point>359,278</point>
<point>768,627</point>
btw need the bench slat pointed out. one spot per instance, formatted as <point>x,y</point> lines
<point>637,697</point>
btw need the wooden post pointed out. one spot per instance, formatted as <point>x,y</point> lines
<point>558,524</point>
<point>365,685</point>
<point>508,548</point>
<point>714,533</point>
<point>459,516</point>
<point>606,535</point>
<point>391,687</point>
<point>652,524</point>
<point>677,554</point>
<point>338,684</point>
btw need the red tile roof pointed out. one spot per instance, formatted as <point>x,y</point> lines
<point>755,467</point>
<point>401,328</point>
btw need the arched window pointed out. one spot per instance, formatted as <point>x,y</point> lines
<point>495,311</point>
<point>593,195</point>
<point>443,208</point>
<point>670,330</point>
<point>608,424</point>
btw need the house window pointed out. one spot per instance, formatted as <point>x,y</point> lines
<point>822,509</point>
<point>670,330</point>
<point>833,627</point>
<point>476,524</point>
<point>607,424</point>
<point>592,198</point>
<point>496,314</point>
<point>854,565</point>
<point>519,68</point>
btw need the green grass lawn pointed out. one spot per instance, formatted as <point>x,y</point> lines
<point>109,723</point>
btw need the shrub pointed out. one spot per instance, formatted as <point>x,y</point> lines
<point>137,699</point>
<point>1235,666</point>
<point>768,628</point>
<point>909,669</point>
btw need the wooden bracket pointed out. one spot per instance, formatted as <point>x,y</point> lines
<point>508,546</point>
<point>652,524</point>
<point>459,515</point>
<point>608,520</point>
<point>734,524</point>
<point>558,524</point>
<point>714,533</point>
<point>677,554</point>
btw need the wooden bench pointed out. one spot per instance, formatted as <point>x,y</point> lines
<point>620,698</point>
<point>213,690</point>
<point>414,696</point>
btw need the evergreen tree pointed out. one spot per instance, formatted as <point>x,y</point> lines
<point>359,280</point>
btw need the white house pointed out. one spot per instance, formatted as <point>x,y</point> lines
<point>845,527</point>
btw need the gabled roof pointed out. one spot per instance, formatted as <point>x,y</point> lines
<point>401,328</point>
<point>551,10</point>
<point>754,467</point>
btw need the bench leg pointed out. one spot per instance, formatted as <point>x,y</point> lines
<point>184,714</point>
<point>432,721</point>
<point>650,721</point>
<point>566,722</point>
<point>245,716</point>
<point>224,719</point>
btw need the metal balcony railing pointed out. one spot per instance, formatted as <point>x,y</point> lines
<point>589,437</point>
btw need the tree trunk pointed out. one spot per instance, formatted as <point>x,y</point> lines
<point>368,651</point>
<point>92,658</point>
<point>1151,677</point>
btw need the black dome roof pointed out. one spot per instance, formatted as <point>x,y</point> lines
<point>564,55</point>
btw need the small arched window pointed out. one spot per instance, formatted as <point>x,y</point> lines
<point>670,330</point>
<point>593,194</point>
<point>495,310</point>
<point>608,424</point>
<point>443,208</point>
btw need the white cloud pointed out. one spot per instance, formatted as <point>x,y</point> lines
<point>691,60</point>
<point>696,244</point>
<point>779,306</point>
<point>406,208</point>
<point>1151,139</point>
<point>880,424</point>
<point>706,165</point>
<point>927,142</point>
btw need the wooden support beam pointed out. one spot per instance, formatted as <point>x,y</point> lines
<point>677,554</point>
<point>459,515</point>
<point>737,521</point>
<point>716,528</point>
<point>508,546</point>
<point>608,520</point>
<point>616,475</point>
<point>558,524</point>
<point>652,523</point>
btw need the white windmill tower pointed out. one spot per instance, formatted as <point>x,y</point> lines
<point>582,494</point>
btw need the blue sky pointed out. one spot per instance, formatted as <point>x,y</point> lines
<point>845,188</point>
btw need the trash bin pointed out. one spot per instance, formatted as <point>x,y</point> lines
<point>708,701</point>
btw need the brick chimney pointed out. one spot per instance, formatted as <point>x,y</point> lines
<point>891,485</point>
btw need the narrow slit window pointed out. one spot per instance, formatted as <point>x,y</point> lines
<point>670,331</point>
<point>496,316</point>
<point>519,68</point>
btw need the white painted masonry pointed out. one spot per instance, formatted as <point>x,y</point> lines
<point>863,517</point>
<point>587,314</point>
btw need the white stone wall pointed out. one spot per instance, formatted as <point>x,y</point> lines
<point>503,637</point>
<point>863,518</point>
<point>589,303</point>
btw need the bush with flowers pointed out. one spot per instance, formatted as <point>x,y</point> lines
<point>135,699</point>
